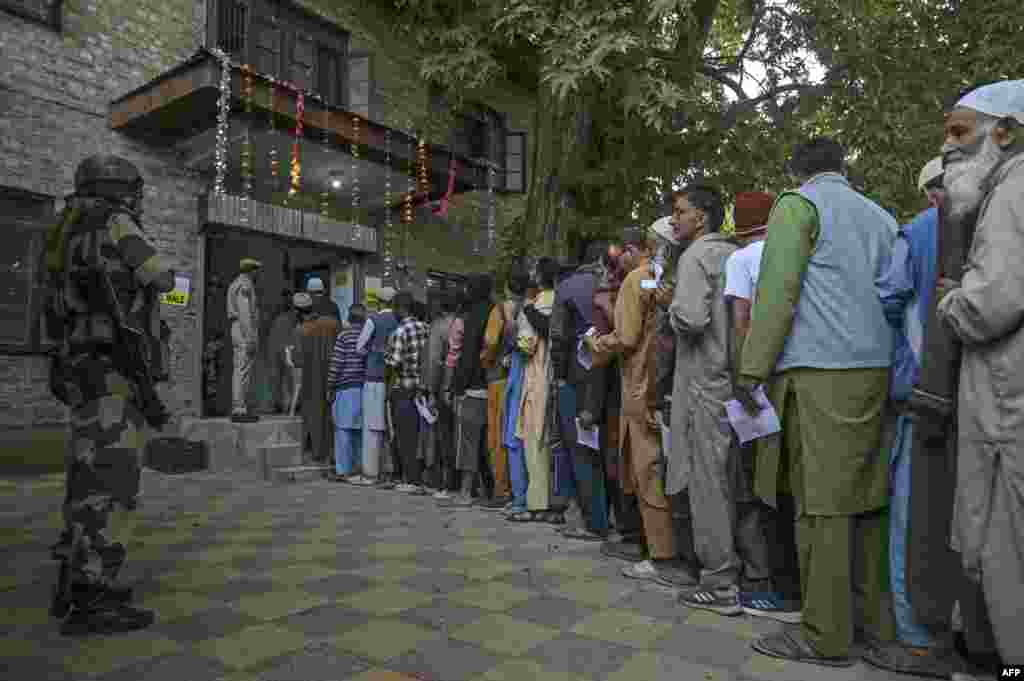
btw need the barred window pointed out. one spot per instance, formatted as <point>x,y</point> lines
<point>24,220</point>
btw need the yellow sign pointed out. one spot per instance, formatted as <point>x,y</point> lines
<point>180,295</point>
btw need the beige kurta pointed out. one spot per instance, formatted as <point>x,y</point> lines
<point>633,338</point>
<point>531,427</point>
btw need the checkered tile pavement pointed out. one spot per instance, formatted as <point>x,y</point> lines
<point>327,582</point>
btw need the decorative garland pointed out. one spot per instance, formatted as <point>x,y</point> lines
<point>223,105</point>
<point>442,207</point>
<point>410,192</point>
<point>386,233</point>
<point>325,195</point>
<point>296,164</point>
<point>246,160</point>
<point>274,163</point>
<point>422,160</point>
<point>492,208</point>
<point>355,177</point>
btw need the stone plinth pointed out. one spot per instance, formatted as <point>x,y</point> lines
<point>236,446</point>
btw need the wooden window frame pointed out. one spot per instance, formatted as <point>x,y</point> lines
<point>292,20</point>
<point>38,224</point>
<point>54,19</point>
<point>524,171</point>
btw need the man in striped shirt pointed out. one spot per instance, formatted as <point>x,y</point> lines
<point>404,348</point>
<point>345,377</point>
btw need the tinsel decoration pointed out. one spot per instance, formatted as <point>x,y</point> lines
<point>422,168</point>
<point>325,195</point>
<point>296,164</point>
<point>246,153</point>
<point>223,105</point>
<point>274,162</point>
<point>492,208</point>
<point>386,234</point>
<point>355,176</point>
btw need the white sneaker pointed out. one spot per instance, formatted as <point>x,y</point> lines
<point>404,487</point>
<point>442,495</point>
<point>644,570</point>
<point>363,481</point>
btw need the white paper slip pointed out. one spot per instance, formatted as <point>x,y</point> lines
<point>649,284</point>
<point>427,412</point>
<point>749,427</point>
<point>588,438</point>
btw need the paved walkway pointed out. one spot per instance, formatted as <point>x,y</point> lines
<point>325,582</point>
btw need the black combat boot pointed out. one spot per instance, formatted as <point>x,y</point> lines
<point>104,617</point>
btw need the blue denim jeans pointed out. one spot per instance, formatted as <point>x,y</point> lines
<point>588,483</point>
<point>909,631</point>
<point>348,450</point>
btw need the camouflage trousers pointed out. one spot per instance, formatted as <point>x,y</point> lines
<point>103,463</point>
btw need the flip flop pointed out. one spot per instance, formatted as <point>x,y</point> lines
<point>790,644</point>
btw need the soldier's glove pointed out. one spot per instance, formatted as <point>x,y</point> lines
<point>744,391</point>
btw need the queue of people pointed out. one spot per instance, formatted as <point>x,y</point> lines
<point>598,400</point>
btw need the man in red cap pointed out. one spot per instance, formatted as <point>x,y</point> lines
<point>765,542</point>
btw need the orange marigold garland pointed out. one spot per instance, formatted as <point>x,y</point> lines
<point>296,164</point>
<point>355,176</point>
<point>246,153</point>
<point>274,162</point>
<point>325,195</point>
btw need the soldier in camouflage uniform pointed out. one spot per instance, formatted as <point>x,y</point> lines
<point>105,277</point>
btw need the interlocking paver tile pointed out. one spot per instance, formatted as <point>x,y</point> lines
<point>383,639</point>
<point>324,620</point>
<point>386,550</point>
<point>492,596</point>
<point>502,634</point>
<point>559,613</point>
<point>660,667</point>
<point>170,668</point>
<point>299,573</point>
<point>748,628</point>
<point>338,586</point>
<point>623,626</point>
<point>104,655</point>
<point>702,645</point>
<point>386,600</point>
<point>473,548</point>
<point>584,656</point>
<point>445,660</point>
<point>444,615</point>
<point>436,582</point>
<point>388,571</point>
<point>176,605</point>
<point>280,603</point>
<point>519,670</point>
<point>656,601</point>
<point>481,568</point>
<point>382,675</point>
<point>764,668</point>
<point>252,646</point>
<point>597,592</point>
<point>570,566</point>
<point>197,578</point>
<point>204,625</point>
<point>318,662</point>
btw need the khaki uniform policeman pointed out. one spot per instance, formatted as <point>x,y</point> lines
<point>105,280</point>
<point>243,313</point>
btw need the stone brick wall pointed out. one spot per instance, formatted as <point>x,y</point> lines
<point>55,89</point>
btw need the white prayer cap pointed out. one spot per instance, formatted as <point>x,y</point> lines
<point>315,285</point>
<point>931,171</point>
<point>1004,99</point>
<point>302,301</point>
<point>663,228</point>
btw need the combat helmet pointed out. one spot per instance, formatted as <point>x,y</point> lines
<point>108,176</point>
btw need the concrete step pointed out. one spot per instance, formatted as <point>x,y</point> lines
<point>298,473</point>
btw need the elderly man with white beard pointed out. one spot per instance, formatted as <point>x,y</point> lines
<point>984,180</point>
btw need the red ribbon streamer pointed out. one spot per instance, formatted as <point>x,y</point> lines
<point>442,209</point>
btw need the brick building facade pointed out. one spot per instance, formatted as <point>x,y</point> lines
<point>82,77</point>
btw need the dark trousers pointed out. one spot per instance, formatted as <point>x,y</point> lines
<point>588,473</point>
<point>406,420</point>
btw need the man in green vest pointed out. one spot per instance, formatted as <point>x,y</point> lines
<point>820,341</point>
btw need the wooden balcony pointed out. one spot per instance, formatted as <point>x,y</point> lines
<point>234,211</point>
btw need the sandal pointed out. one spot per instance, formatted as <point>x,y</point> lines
<point>522,517</point>
<point>791,645</point>
<point>582,534</point>
<point>939,664</point>
<point>553,517</point>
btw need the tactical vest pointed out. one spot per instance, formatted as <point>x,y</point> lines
<point>87,277</point>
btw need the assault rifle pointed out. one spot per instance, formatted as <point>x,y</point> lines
<point>133,354</point>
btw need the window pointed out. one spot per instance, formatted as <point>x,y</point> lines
<point>515,162</point>
<point>282,40</point>
<point>24,219</point>
<point>45,12</point>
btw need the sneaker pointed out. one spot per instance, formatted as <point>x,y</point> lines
<point>644,570</point>
<point>634,553</point>
<point>106,619</point>
<point>723,602</point>
<point>363,481</point>
<point>495,504</point>
<point>404,487</point>
<point>457,501</point>
<point>418,491</point>
<point>442,495</point>
<point>771,605</point>
<point>384,483</point>
<point>677,577</point>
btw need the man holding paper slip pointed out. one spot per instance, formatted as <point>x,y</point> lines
<point>819,333</point>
